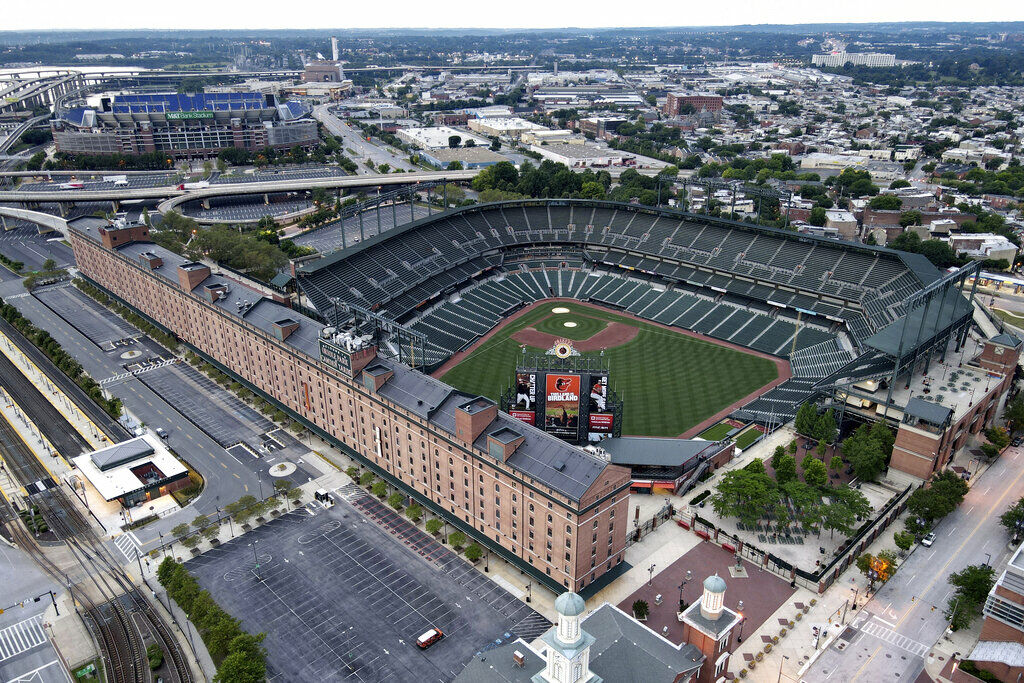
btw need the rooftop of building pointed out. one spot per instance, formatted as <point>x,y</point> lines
<point>654,451</point>
<point>623,650</point>
<point>110,469</point>
<point>475,155</point>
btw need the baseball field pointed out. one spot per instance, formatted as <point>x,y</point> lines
<point>668,381</point>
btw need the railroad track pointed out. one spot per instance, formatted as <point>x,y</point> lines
<point>120,642</point>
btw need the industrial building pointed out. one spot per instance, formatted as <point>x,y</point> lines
<point>185,126</point>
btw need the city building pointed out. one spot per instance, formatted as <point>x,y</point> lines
<point>558,513</point>
<point>189,126</point>
<point>468,157</point>
<point>582,156</point>
<point>606,646</point>
<point>512,126</point>
<point>983,246</point>
<point>837,59</point>
<point>323,71</point>
<point>660,465</point>
<point>1000,648</point>
<point>438,137</point>
<point>843,221</point>
<point>601,126</point>
<point>677,103</point>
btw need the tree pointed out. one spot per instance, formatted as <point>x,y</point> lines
<point>908,218</point>
<point>1013,518</point>
<point>744,493</point>
<point>367,479</point>
<point>792,447</point>
<point>433,526</point>
<point>818,216</point>
<point>971,588</point>
<point>395,500</point>
<point>815,473</point>
<point>246,661</point>
<point>825,429</point>
<point>780,452</point>
<point>903,540</point>
<point>49,264</point>
<point>998,437</point>
<point>806,419</point>
<point>454,141</point>
<point>414,512</point>
<point>835,464</point>
<point>641,609</point>
<point>474,552</point>
<point>180,530</point>
<point>886,202</point>
<point>457,539</point>
<point>786,471</point>
<point>945,492</point>
<point>1013,413</point>
<point>471,143</point>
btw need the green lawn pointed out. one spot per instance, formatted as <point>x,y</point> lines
<point>1009,317</point>
<point>586,326</point>
<point>745,438</point>
<point>716,432</point>
<point>668,381</point>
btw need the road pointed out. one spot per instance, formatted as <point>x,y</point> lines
<point>352,138</point>
<point>901,623</point>
<point>226,478</point>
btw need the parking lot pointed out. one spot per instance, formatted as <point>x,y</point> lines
<point>100,325</point>
<point>341,599</point>
<point>293,173</point>
<point>25,244</point>
<point>254,210</point>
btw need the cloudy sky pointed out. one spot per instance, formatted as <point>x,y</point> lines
<point>257,14</point>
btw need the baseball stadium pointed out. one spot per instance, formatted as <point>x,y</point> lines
<point>696,318</point>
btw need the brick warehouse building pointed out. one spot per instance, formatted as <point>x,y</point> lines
<point>552,509</point>
<point>185,126</point>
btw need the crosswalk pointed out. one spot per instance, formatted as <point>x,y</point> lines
<point>129,546</point>
<point>21,637</point>
<point>888,635</point>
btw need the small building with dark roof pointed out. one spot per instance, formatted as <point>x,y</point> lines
<point>665,463</point>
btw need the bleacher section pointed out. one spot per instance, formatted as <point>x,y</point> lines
<point>452,276</point>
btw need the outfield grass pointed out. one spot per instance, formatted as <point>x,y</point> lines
<point>586,326</point>
<point>668,381</point>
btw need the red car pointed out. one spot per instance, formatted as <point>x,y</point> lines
<point>429,638</point>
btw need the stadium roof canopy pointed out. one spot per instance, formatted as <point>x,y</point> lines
<point>638,450</point>
<point>919,326</point>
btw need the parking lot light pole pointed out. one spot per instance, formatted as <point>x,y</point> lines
<point>487,559</point>
<point>256,559</point>
<point>529,591</point>
<point>259,478</point>
<point>739,609</point>
<point>650,574</point>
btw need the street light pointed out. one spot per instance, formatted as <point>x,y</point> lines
<point>256,559</point>
<point>686,578</point>
<point>779,679</point>
<point>529,591</point>
<point>739,608</point>
<point>650,574</point>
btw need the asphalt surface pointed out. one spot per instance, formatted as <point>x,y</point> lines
<point>343,599</point>
<point>901,623</point>
<point>353,138</point>
<point>227,479</point>
<point>25,244</point>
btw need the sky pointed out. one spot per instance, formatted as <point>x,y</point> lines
<point>307,14</point>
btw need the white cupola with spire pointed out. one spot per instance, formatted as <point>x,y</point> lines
<point>568,645</point>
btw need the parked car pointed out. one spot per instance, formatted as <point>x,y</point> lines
<point>1017,441</point>
<point>429,638</point>
<point>928,540</point>
<point>161,432</point>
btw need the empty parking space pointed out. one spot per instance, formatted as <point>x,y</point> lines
<point>26,245</point>
<point>98,324</point>
<point>342,600</point>
<point>221,414</point>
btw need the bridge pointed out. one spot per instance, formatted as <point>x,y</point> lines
<point>46,222</point>
<point>173,196</point>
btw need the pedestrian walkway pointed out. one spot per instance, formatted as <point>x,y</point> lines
<point>129,546</point>
<point>21,637</point>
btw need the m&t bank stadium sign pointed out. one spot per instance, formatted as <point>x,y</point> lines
<point>182,115</point>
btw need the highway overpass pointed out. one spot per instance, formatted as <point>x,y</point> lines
<point>174,196</point>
